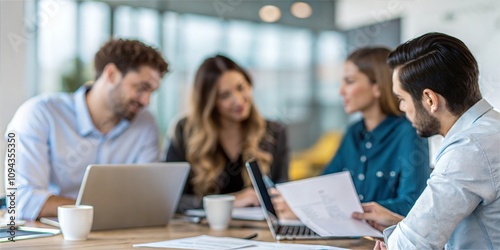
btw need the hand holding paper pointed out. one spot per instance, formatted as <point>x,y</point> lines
<point>325,204</point>
<point>378,216</point>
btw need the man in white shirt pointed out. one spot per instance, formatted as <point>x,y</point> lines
<point>436,80</point>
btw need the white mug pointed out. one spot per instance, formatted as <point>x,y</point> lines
<point>218,209</point>
<point>75,221</point>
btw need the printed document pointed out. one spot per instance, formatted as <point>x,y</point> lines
<point>201,242</point>
<point>325,204</point>
<point>220,243</point>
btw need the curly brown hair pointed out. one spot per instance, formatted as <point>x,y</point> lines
<point>128,55</point>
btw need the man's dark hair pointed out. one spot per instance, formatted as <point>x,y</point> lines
<point>128,55</point>
<point>441,63</point>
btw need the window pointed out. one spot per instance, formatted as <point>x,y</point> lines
<point>57,29</point>
<point>296,71</point>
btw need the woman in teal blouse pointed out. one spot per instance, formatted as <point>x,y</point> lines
<point>388,161</point>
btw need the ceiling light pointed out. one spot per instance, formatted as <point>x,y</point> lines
<point>301,10</point>
<point>269,13</point>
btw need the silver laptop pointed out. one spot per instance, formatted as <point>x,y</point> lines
<point>132,195</point>
<point>279,229</point>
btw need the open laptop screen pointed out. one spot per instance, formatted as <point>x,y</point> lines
<point>256,176</point>
<point>132,195</point>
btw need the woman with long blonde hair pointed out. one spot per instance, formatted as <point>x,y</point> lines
<point>222,131</point>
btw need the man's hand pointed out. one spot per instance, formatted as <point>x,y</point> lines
<point>49,209</point>
<point>377,216</point>
<point>246,198</point>
<point>282,209</point>
<point>379,245</point>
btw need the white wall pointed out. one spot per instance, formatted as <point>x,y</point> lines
<point>13,89</point>
<point>356,13</point>
<point>476,22</point>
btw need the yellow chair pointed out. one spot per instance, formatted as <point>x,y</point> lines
<point>310,162</point>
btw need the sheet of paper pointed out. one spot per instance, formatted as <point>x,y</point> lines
<point>284,246</point>
<point>201,242</point>
<point>220,243</point>
<point>240,213</point>
<point>325,204</point>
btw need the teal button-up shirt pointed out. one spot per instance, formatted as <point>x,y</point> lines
<point>388,165</point>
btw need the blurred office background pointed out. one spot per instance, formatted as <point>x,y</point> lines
<point>294,50</point>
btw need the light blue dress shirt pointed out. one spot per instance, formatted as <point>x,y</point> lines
<point>56,140</point>
<point>460,206</point>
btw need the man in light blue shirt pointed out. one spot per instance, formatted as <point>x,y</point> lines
<point>436,80</point>
<point>58,135</point>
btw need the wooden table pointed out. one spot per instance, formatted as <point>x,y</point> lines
<point>178,228</point>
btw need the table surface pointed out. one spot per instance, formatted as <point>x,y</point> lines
<point>177,228</point>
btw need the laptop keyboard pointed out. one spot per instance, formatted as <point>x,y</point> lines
<point>296,230</point>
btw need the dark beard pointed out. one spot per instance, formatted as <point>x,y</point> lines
<point>119,105</point>
<point>425,124</point>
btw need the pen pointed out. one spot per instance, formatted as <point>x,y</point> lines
<point>369,238</point>
<point>251,236</point>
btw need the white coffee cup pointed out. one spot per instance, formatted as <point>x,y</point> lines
<point>218,210</point>
<point>75,221</point>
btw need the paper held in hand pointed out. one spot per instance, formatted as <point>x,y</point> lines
<point>325,204</point>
